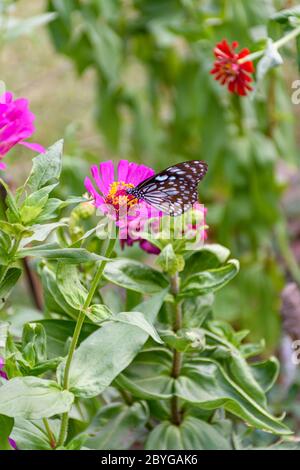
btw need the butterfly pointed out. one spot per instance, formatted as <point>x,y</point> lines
<point>173,190</point>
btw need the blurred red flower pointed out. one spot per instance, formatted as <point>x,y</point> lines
<point>229,71</point>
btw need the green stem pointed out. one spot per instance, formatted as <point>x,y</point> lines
<point>49,433</point>
<point>286,252</point>
<point>177,356</point>
<point>79,323</point>
<point>277,44</point>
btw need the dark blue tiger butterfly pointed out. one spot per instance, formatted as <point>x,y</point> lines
<point>174,190</point>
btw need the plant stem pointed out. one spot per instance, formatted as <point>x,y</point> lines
<point>277,44</point>
<point>177,356</point>
<point>79,323</point>
<point>286,252</point>
<point>49,433</point>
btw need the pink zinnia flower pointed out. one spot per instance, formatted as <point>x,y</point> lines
<point>4,376</point>
<point>229,71</point>
<point>112,199</point>
<point>16,125</point>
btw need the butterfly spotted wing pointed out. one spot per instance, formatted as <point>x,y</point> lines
<point>174,190</point>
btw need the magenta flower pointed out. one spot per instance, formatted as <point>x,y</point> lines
<point>4,376</point>
<point>112,199</point>
<point>16,125</point>
<point>2,373</point>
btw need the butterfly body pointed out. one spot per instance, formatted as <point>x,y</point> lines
<point>174,190</point>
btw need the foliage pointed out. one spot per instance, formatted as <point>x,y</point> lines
<point>158,369</point>
<point>156,102</point>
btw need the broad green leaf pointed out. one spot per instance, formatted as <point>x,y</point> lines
<point>117,426</point>
<point>16,230</point>
<point>46,167</point>
<point>6,425</point>
<point>207,257</point>
<point>116,344</point>
<point>266,372</point>
<point>149,375</point>
<point>206,383</point>
<point>66,255</point>
<point>40,232</point>
<point>33,398</point>
<point>192,434</point>
<point>59,332</point>
<point>139,320</point>
<point>16,27</point>
<point>34,343</point>
<point>98,313</point>
<point>11,278</point>
<point>54,300</point>
<point>195,310</point>
<point>135,276</point>
<point>209,281</point>
<point>69,284</point>
<point>32,435</point>
<point>33,205</point>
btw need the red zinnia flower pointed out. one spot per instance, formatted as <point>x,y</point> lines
<point>228,69</point>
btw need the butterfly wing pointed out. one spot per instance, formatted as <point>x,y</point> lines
<point>174,190</point>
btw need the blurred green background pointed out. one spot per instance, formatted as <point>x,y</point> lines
<point>130,79</point>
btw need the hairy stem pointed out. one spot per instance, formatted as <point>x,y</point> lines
<point>79,323</point>
<point>277,44</point>
<point>177,356</point>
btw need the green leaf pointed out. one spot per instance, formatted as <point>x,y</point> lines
<point>6,425</point>
<point>10,202</point>
<point>98,313</point>
<point>69,284</point>
<point>16,230</point>
<point>46,167</point>
<point>207,384</point>
<point>266,372</point>
<point>284,15</point>
<point>117,426</point>
<point>33,398</point>
<point>195,310</point>
<point>54,300</point>
<point>169,261</point>
<point>184,339</point>
<point>59,332</point>
<point>31,435</point>
<point>149,375</point>
<point>207,257</point>
<point>139,320</point>
<point>192,434</point>
<point>135,276</point>
<point>34,343</point>
<point>116,344</point>
<point>33,205</point>
<point>66,255</point>
<point>40,232</point>
<point>4,329</point>
<point>8,283</point>
<point>16,27</point>
<point>209,281</point>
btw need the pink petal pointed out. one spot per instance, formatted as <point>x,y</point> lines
<point>2,166</point>
<point>35,147</point>
<point>96,175</point>
<point>123,170</point>
<point>90,188</point>
<point>138,173</point>
<point>107,172</point>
